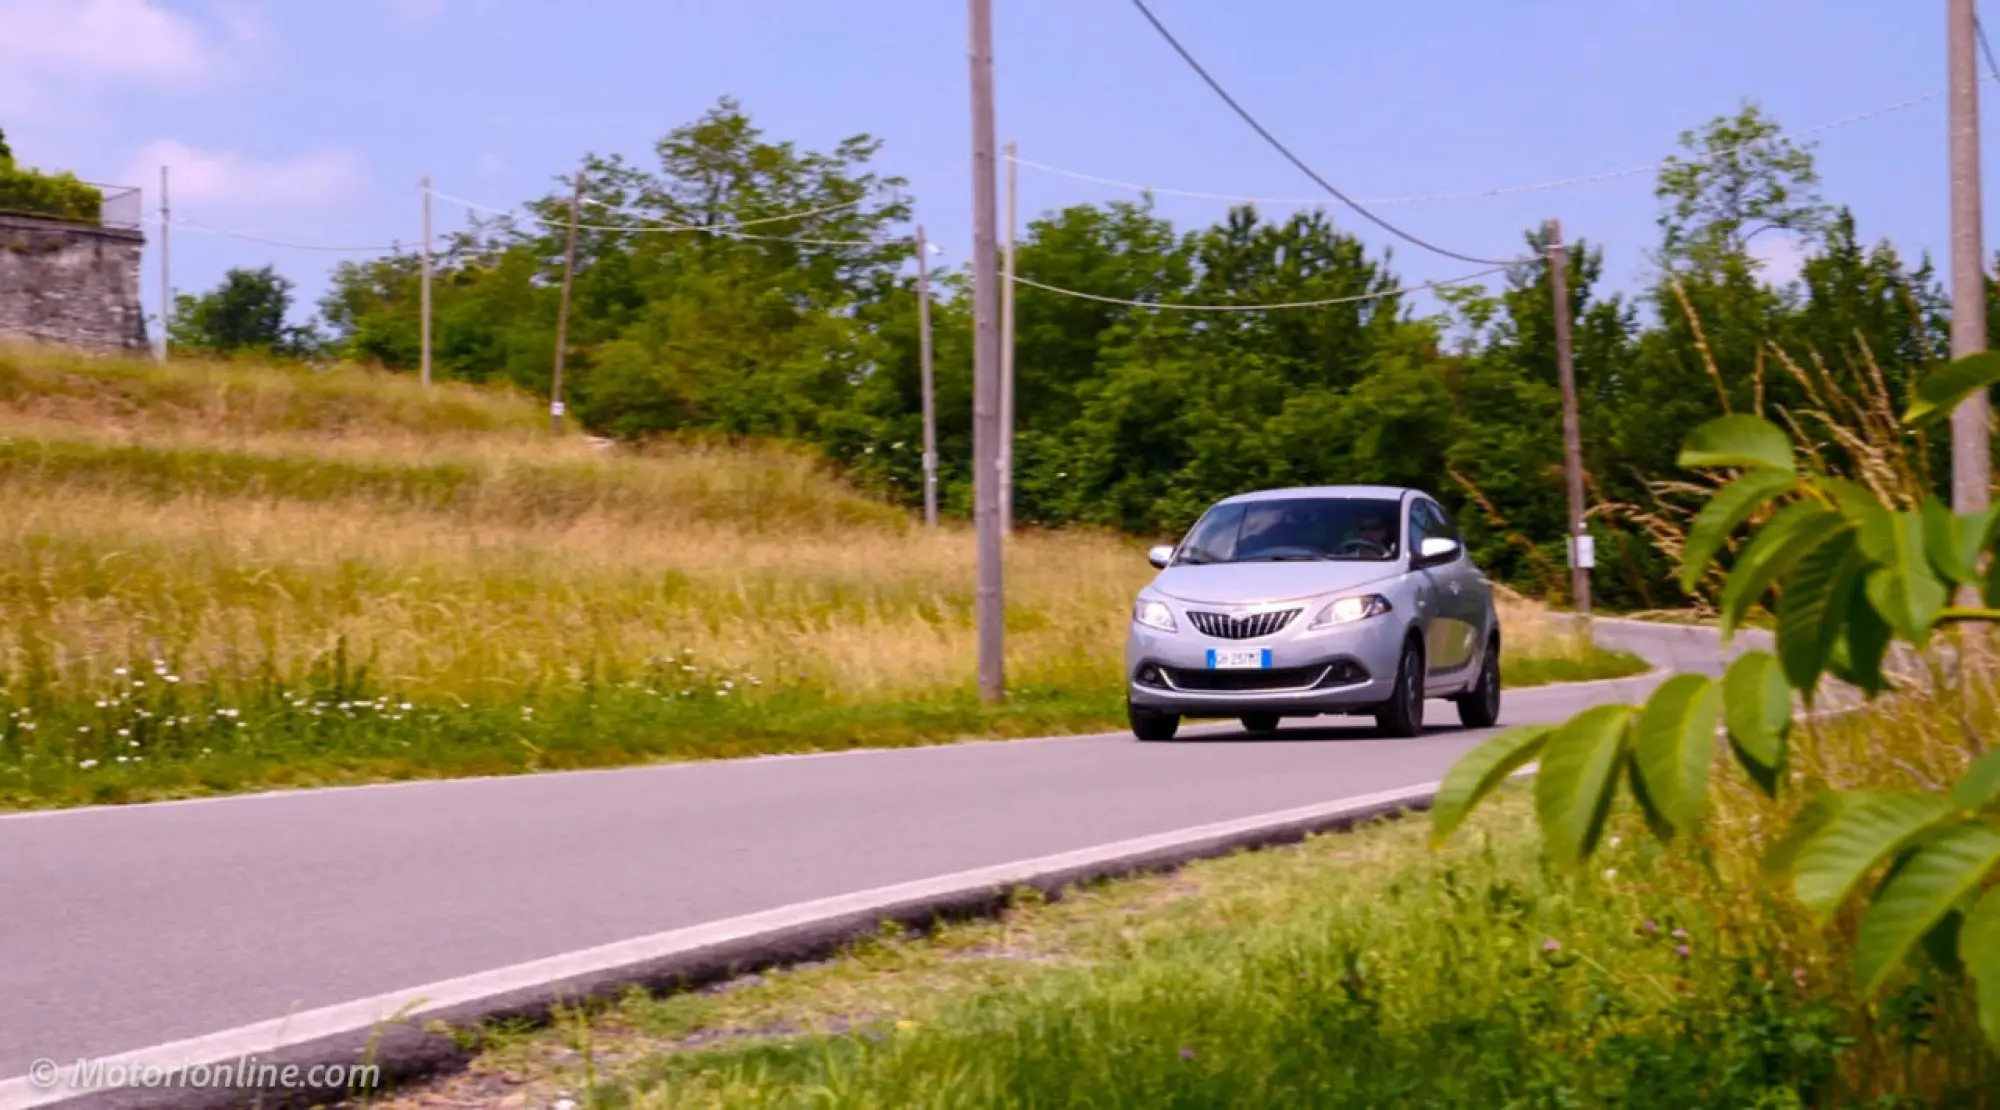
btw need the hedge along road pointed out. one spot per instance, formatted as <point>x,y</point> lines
<point>212,929</point>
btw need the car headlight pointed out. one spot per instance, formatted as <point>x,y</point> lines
<point>1347,610</point>
<point>1154,614</point>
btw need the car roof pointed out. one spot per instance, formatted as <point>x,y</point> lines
<point>1379,493</point>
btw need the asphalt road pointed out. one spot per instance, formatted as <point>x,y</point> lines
<point>125,927</point>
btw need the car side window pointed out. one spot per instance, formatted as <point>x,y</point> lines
<point>1420,529</point>
<point>1428,517</point>
<point>1441,524</point>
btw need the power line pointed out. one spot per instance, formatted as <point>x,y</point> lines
<point>669,228</point>
<point>1294,159</point>
<point>1354,299</point>
<point>1504,190</point>
<point>810,212</point>
<point>183,221</point>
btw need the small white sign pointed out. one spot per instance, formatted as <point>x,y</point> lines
<point>1583,552</point>
<point>555,408</point>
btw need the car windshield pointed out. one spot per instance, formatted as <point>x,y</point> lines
<point>1295,528</point>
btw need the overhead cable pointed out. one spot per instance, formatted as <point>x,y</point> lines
<point>1295,160</point>
<point>720,229</point>
<point>1354,299</point>
<point>184,222</point>
<point>1502,190</point>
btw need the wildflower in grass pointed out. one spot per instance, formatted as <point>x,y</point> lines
<point>1551,945</point>
<point>85,764</point>
<point>1187,1053</point>
<point>1681,950</point>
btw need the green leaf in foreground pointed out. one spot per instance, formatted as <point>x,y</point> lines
<point>1723,515</point>
<point>1788,536</point>
<point>1979,951</point>
<point>1944,389</point>
<point>1858,652</point>
<point>1579,774</point>
<point>1673,746</point>
<point>1868,828</point>
<point>1918,896</point>
<point>1955,540</point>
<point>1981,785</point>
<point>1783,855</point>
<point>1903,589</point>
<point>1737,440</point>
<point>1478,772</point>
<point>1757,708</point>
<point>1814,608</point>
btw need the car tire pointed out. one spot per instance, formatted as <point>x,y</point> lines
<point>1151,726</point>
<point>1403,715</point>
<point>1260,722</point>
<point>1479,707</point>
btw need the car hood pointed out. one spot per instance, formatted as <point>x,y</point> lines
<point>1256,583</point>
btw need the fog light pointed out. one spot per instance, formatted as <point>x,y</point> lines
<point>1149,675</point>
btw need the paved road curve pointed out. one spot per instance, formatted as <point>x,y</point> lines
<point>125,927</point>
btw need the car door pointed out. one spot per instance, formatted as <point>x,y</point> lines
<point>1453,606</point>
<point>1463,593</point>
<point>1433,614</point>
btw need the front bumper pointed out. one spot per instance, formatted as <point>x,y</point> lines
<point>1340,670</point>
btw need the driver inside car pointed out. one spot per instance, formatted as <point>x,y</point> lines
<point>1373,531</point>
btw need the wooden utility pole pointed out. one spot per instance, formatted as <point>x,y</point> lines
<point>1581,556</point>
<point>990,605</point>
<point>562,312</point>
<point>425,358</point>
<point>1007,361</point>
<point>924,364</point>
<point>1971,458</point>
<point>166,266</point>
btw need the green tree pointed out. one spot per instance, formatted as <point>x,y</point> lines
<point>1742,177</point>
<point>245,313</point>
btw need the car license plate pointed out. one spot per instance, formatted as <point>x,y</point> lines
<point>1247,659</point>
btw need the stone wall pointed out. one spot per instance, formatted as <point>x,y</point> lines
<point>71,284</point>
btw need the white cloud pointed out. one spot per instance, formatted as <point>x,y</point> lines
<point>1780,255</point>
<point>229,180</point>
<point>96,41</point>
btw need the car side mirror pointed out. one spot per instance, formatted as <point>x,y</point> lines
<point>1160,557</point>
<point>1437,549</point>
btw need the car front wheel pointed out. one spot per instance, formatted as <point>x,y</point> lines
<point>1403,716</point>
<point>1479,707</point>
<point>1150,726</point>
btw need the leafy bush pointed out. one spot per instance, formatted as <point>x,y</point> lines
<point>57,195</point>
<point>1856,570</point>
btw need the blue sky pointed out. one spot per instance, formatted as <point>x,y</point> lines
<point>313,120</point>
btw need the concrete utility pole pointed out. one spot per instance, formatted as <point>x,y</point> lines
<point>990,607</point>
<point>1971,457</point>
<point>930,394</point>
<point>1581,556</point>
<point>166,266</point>
<point>426,329</point>
<point>562,312</point>
<point>1007,362</point>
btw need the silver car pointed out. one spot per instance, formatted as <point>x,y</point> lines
<point>1334,600</point>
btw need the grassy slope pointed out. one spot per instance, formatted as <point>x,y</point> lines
<point>1355,970</point>
<point>220,577</point>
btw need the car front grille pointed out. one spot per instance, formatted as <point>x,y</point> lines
<point>1249,626</point>
<point>1245,682</point>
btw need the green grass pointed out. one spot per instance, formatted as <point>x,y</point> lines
<point>223,577</point>
<point>1355,970</point>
